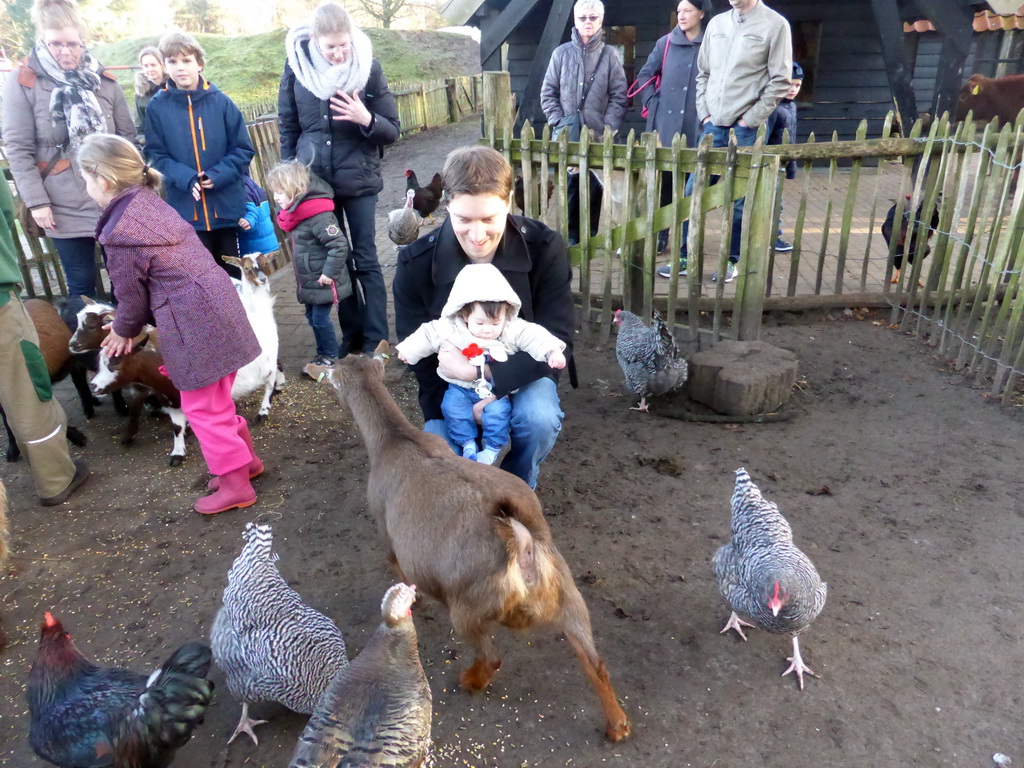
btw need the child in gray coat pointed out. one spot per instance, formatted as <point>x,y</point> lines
<point>320,249</point>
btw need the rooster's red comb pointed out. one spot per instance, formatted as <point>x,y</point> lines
<point>48,619</point>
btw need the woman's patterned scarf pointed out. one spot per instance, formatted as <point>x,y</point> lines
<point>74,101</point>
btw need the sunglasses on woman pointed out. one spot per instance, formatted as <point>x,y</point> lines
<point>72,47</point>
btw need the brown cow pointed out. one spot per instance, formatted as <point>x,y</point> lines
<point>988,97</point>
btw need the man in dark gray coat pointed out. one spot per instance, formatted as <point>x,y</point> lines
<point>585,76</point>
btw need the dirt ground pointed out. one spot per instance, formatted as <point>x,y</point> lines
<point>918,534</point>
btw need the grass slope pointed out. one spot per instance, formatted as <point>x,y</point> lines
<point>249,68</point>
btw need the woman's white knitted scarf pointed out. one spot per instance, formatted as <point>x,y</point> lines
<point>316,74</point>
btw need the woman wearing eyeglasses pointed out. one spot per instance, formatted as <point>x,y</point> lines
<point>584,80</point>
<point>59,95</point>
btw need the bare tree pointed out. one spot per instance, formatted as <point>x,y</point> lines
<point>384,11</point>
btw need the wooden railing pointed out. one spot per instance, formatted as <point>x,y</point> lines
<point>435,103</point>
<point>959,288</point>
<point>421,106</point>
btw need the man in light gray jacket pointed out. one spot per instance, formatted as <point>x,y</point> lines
<point>744,67</point>
<point>585,76</point>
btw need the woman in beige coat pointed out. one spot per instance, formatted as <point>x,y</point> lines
<point>58,96</point>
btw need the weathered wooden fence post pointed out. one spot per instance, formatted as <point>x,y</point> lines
<point>453,100</point>
<point>758,235</point>
<point>498,101</point>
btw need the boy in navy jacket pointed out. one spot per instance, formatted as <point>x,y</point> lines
<point>196,137</point>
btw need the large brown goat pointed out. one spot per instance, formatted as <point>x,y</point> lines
<point>470,535</point>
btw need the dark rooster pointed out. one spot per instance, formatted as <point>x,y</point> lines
<point>85,716</point>
<point>901,242</point>
<point>648,357</point>
<point>376,711</point>
<point>763,576</point>
<point>519,194</point>
<point>425,199</point>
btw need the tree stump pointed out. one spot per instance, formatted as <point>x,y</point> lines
<point>742,378</point>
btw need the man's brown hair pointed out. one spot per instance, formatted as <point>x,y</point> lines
<point>477,171</point>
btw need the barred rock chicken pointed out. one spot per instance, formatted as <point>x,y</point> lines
<point>427,198</point>
<point>763,576</point>
<point>377,709</point>
<point>85,715</point>
<point>887,230</point>
<point>648,357</point>
<point>404,223</point>
<point>270,645</point>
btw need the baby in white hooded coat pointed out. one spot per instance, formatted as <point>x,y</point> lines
<point>481,319</point>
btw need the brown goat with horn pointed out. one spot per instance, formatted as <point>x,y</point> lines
<point>468,534</point>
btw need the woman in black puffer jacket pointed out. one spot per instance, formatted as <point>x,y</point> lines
<point>336,115</point>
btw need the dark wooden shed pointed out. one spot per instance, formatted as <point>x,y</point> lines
<point>859,56</point>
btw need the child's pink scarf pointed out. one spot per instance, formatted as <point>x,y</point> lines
<point>307,209</point>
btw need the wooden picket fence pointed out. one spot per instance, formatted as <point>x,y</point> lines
<point>43,276</point>
<point>435,103</point>
<point>420,105</point>
<point>968,304</point>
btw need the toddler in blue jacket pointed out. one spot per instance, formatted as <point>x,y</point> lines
<point>256,228</point>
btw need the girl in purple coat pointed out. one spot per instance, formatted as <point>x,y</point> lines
<point>163,275</point>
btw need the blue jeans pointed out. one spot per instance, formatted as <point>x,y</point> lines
<point>78,258</point>
<point>457,407</point>
<point>536,422</point>
<point>745,137</point>
<point>363,316</point>
<point>319,318</point>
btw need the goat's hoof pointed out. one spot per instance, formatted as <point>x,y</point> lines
<point>617,731</point>
<point>177,461</point>
<point>478,676</point>
<point>127,440</point>
<point>260,418</point>
<point>13,456</point>
<point>76,436</point>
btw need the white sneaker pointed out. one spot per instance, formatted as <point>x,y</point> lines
<point>487,456</point>
<point>730,274</point>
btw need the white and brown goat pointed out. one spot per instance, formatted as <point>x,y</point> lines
<point>265,371</point>
<point>469,535</point>
<point>137,373</point>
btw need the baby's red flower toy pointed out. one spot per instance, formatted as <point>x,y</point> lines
<point>473,350</point>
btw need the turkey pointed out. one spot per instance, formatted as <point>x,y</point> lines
<point>404,223</point>
<point>270,645</point>
<point>648,357</point>
<point>85,715</point>
<point>763,576</point>
<point>377,709</point>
